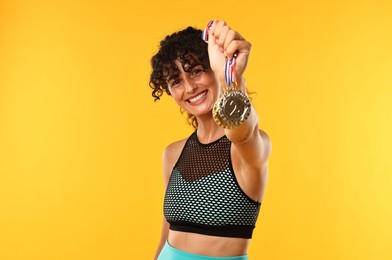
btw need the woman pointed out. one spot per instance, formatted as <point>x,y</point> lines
<point>215,179</point>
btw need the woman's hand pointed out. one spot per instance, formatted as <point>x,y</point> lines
<point>223,42</point>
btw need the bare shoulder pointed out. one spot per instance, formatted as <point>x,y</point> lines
<point>170,156</point>
<point>172,151</point>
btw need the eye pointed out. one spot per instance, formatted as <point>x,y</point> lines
<point>197,71</point>
<point>174,83</point>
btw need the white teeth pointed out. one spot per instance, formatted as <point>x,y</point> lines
<point>198,97</point>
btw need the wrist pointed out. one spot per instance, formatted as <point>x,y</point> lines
<point>241,83</point>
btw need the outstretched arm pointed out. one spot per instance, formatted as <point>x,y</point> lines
<point>252,146</point>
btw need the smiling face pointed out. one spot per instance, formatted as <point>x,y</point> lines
<point>194,88</point>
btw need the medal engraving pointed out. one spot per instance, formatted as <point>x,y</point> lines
<point>232,109</point>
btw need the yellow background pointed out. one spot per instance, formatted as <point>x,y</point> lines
<point>81,138</point>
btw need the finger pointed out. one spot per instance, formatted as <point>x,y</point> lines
<point>237,45</point>
<point>239,36</point>
<point>217,28</point>
<point>230,36</point>
<point>223,35</point>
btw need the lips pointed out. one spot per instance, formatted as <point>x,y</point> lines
<point>198,97</point>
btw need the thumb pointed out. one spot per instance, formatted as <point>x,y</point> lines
<point>206,32</point>
<point>210,39</point>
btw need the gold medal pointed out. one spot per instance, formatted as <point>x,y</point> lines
<point>232,109</point>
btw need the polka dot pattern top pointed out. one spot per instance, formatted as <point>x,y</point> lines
<point>203,195</point>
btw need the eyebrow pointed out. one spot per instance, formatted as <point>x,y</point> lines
<point>172,76</point>
<point>188,69</point>
<point>191,67</point>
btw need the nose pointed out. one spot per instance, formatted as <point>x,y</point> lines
<point>190,86</point>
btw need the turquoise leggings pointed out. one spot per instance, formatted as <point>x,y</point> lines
<point>170,253</point>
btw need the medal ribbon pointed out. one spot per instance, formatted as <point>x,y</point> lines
<point>230,64</point>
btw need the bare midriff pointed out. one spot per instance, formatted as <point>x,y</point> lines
<point>208,245</point>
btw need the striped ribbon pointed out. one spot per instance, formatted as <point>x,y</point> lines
<point>230,64</point>
<point>204,34</point>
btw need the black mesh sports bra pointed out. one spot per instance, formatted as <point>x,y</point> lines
<point>203,195</point>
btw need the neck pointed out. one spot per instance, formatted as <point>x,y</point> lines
<point>208,131</point>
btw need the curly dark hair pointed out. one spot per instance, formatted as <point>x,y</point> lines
<point>186,46</point>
